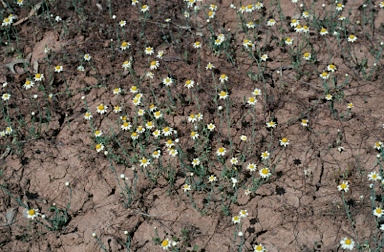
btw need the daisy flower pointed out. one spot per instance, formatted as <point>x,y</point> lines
<point>250,25</point>
<point>6,97</point>
<point>236,219</point>
<point>305,14</point>
<point>6,21</point>
<point>134,135</point>
<point>350,105</point>
<point>223,78</point>
<point>256,92</point>
<point>152,107</point>
<point>122,23</point>
<point>195,162</point>
<point>258,6</point>
<point>172,152</point>
<point>347,243</point>
<point>352,38</point>
<point>99,147</point>
<point>126,64</point>
<point>324,75</point>
<point>328,97</point>
<point>288,41</point>
<point>189,83</point>
<point>102,109</point>
<point>243,138</point>
<point>126,126</point>
<point>249,8</point>
<point>243,213</point>
<point>223,95</point>
<point>271,124</point>
<point>248,44</point>
<point>156,154</point>
<point>259,248</point>
<point>20,2</point>
<point>339,6</point>
<point>211,126</point>
<point>169,143</point>
<point>199,117</point>
<point>157,114</point>
<point>294,22</point>
<point>252,100</point>
<point>343,186</point>
<point>221,151</point>
<point>299,29</point>
<point>264,172</point>
<point>209,66</point>
<point>304,122</point>
<point>144,8</point>
<point>186,187</point>
<point>87,116</point>
<point>284,141</point>
<point>149,125</point>
<point>374,176</point>
<point>134,2</point>
<point>116,91</point>
<point>140,129</point>
<point>124,45</point>
<point>234,161</point>
<point>87,57</point>
<point>378,212</point>
<point>264,57</point>
<point>251,167</point>
<point>323,31</point>
<point>378,145</point>
<point>28,84</point>
<point>154,65</point>
<point>381,4</point>
<point>149,50</point>
<point>160,54</point>
<point>331,68</point>
<point>8,130</point>
<point>271,22</point>
<point>307,56</point>
<point>144,162</point>
<point>194,135</point>
<point>167,131</point>
<point>192,118</point>
<point>32,213</point>
<point>98,133</point>
<point>197,44</point>
<point>156,133</point>
<point>212,178</point>
<point>39,77</point>
<point>167,81</point>
<point>166,244</point>
<point>265,155</point>
<point>58,69</point>
<point>213,7</point>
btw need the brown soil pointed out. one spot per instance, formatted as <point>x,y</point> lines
<point>297,209</point>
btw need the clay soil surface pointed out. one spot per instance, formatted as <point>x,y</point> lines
<point>108,200</point>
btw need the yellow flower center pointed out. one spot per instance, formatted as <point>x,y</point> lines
<point>258,248</point>
<point>188,82</point>
<point>37,76</point>
<point>221,149</point>
<point>101,107</point>
<point>284,140</point>
<point>31,212</point>
<point>323,30</point>
<point>264,171</point>
<point>223,93</point>
<point>98,146</point>
<point>348,241</point>
<point>144,161</point>
<point>144,7</point>
<point>223,76</point>
<point>165,243</point>
<point>169,141</point>
<point>378,211</point>
<point>307,54</point>
<point>343,185</point>
<point>351,36</point>
<point>252,99</point>
<point>249,6</point>
<point>125,124</point>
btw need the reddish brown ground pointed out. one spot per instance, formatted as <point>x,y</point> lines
<point>297,209</point>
